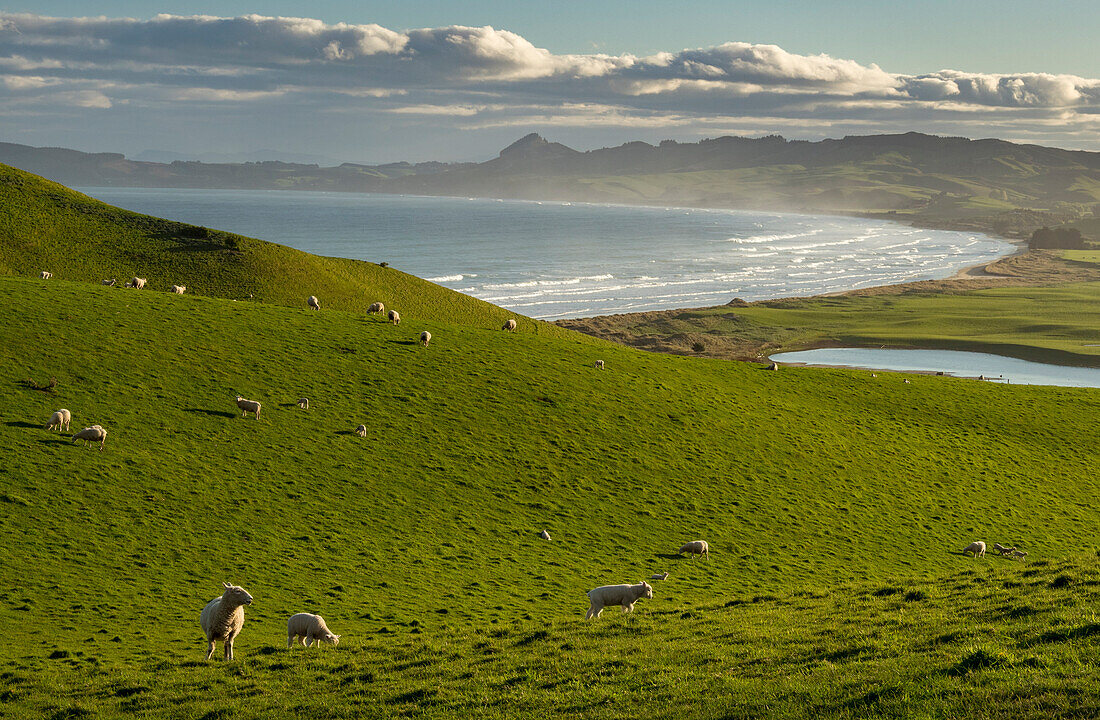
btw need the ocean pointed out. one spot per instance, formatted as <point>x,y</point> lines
<point>555,260</point>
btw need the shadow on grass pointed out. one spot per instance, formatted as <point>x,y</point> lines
<point>345,432</point>
<point>212,413</point>
<point>405,342</point>
<point>1055,636</point>
<point>23,424</point>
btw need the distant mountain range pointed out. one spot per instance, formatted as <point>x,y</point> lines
<point>945,181</point>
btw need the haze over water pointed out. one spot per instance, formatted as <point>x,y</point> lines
<point>554,260</point>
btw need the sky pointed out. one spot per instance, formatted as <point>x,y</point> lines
<point>444,80</point>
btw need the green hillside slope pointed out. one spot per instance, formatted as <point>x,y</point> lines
<point>46,226</point>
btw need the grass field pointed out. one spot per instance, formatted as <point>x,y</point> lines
<point>834,504</point>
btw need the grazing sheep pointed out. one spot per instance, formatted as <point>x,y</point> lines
<point>395,317</point>
<point>248,406</point>
<point>625,595</point>
<point>303,403</point>
<point>60,420</point>
<point>136,282</point>
<point>773,366</point>
<point>94,433</point>
<point>223,618</point>
<point>976,549</point>
<point>179,289</point>
<point>544,535</point>
<point>509,325</point>
<point>313,302</point>
<point>310,628</point>
<point>110,283</point>
<point>45,275</point>
<point>361,431</point>
<point>1018,554</point>
<point>659,576</point>
<point>695,547</point>
<point>599,364</point>
<point>376,307</point>
<point>425,338</point>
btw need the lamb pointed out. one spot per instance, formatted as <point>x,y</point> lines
<point>45,275</point>
<point>599,364</point>
<point>109,283</point>
<point>93,433</point>
<point>976,549</point>
<point>544,535</point>
<point>248,406</point>
<point>395,317</point>
<point>695,547</point>
<point>179,289</point>
<point>1018,554</point>
<point>310,628</point>
<point>425,338</point>
<point>223,618</point>
<point>313,302</point>
<point>136,282</point>
<point>60,420</point>
<point>1003,550</point>
<point>303,403</point>
<point>361,431</point>
<point>659,576</point>
<point>376,307</point>
<point>625,595</point>
<point>509,325</point>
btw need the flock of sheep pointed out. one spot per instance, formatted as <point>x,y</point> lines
<point>976,549</point>
<point>63,417</point>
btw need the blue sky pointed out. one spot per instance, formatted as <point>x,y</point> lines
<point>355,84</point>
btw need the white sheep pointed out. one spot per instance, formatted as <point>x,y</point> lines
<point>425,338</point>
<point>625,595</point>
<point>376,307</point>
<point>695,547</point>
<point>310,628</point>
<point>95,433</point>
<point>361,431</point>
<point>906,381</point>
<point>544,535</point>
<point>395,317</point>
<point>1018,554</point>
<point>1004,550</point>
<point>109,283</point>
<point>248,406</point>
<point>659,576</point>
<point>599,364</point>
<point>509,325</point>
<point>45,275</point>
<point>179,289</point>
<point>303,403</point>
<point>60,420</point>
<point>976,549</point>
<point>313,302</point>
<point>136,282</point>
<point>223,618</point>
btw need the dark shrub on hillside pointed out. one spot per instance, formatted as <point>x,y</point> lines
<point>1060,238</point>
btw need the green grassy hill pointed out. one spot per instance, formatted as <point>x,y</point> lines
<point>419,543</point>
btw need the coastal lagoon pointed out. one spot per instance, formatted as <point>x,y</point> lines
<point>555,260</point>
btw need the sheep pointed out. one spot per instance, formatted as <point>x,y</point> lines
<point>425,338</point>
<point>223,618</point>
<point>179,289</point>
<point>599,364</point>
<point>659,576</point>
<point>907,381</point>
<point>376,307</point>
<point>45,275</point>
<point>60,420</point>
<point>313,302</point>
<point>303,403</point>
<point>544,535</point>
<point>136,282</point>
<point>310,628</point>
<point>874,375</point>
<point>109,283</point>
<point>695,547</point>
<point>509,325</point>
<point>1003,550</point>
<point>1018,554</point>
<point>773,366</point>
<point>625,595</point>
<point>976,549</point>
<point>93,433</point>
<point>361,431</point>
<point>248,406</point>
<point>395,317</point>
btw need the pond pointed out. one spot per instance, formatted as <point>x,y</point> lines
<point>995,368</point>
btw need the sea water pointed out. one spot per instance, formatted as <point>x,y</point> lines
<point>557,259</point>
